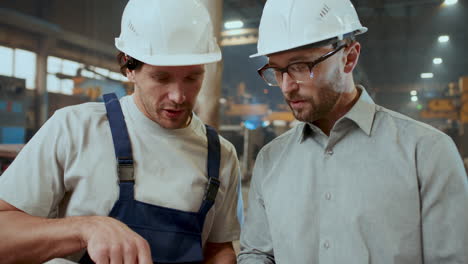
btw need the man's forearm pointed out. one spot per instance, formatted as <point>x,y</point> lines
<point>219,253</point>
<point>30,239</point>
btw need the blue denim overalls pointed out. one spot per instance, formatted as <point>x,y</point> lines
<point>174,236</point>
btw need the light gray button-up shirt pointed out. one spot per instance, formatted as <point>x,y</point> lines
<point>382,188</point>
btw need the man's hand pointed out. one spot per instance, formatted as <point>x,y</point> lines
<point>34,239</point>
<point>110,241</point>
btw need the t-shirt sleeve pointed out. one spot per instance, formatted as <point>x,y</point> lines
<point>226,227</point>
<point>33,183</point>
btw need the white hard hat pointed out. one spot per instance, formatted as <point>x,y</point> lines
<point>288,24</point>
<point>168,33</point>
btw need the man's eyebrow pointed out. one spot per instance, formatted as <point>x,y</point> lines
<point>159,73</point>
<point>197,72</point>
<point>299,58</point>
<point>291,60</point>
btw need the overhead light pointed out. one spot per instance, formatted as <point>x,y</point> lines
<point>266,123</point>
<point>233,24</point>
<point>250,124</point>
<point>280,123</point>
<point>450,2</point>
<point>414,92</point>
<point>239,31</point>
<point>437,61</point>
<point>444,38</point>
<point>414,98</point>
<point>427,75</point>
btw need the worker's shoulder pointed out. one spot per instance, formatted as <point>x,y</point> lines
<point>82,111</point>
<point>199,128</point>
<point>227,146</point>
<point>407,125</point>
<point>279,142</point>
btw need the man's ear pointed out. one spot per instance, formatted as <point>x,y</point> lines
<point>351,56</point>
<point>130,75</point>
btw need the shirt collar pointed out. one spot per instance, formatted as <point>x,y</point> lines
<point>362,114</point>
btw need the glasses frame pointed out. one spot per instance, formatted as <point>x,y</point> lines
<point>310,64</point>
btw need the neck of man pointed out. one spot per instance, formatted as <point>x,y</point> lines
<point>345,102</point>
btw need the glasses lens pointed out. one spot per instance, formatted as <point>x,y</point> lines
<point>271,76</point>
<point>300,72</point>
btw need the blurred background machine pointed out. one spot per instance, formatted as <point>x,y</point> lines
<point>14,105</point>
<point>8,153</point>
<point>448,111</point>
<point>18,107</point>
<point>86,89</point>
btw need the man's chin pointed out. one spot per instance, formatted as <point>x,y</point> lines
<point>174,123</point>
<point>299,115</point>
<point>304,117</point>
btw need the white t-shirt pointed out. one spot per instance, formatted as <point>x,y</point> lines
<point>69,168</point>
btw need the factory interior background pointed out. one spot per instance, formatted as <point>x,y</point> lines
<point>58,53</point>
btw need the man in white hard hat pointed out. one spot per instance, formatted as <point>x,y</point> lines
<point>353,182</point>
<point>135,180</point>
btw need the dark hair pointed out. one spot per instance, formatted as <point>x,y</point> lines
<point>127,62</point>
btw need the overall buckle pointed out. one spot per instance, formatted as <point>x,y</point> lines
<point>125,170</point>
<point>212,189</point>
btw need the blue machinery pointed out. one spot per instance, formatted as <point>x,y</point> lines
<point>14,104</point>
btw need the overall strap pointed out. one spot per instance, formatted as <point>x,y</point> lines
<point>122,146</point>
<point>213,166</point>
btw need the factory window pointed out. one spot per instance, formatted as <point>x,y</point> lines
<point>61,71</point>
<point>25,67</point>
<point>19,63</point>
<point>101,71</point>
<point>105,73</point>
<point>117,76</point>
<point>6,67</point>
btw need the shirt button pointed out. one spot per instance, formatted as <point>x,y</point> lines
<point>326,245</point>
<point>328,196</point>
<point>329,152</point>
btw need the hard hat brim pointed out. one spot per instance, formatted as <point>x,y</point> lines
<point>179,60</point>
<point>359,31</point>
<point>173,59</point>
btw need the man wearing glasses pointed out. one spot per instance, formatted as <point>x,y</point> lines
<point>354,182</point>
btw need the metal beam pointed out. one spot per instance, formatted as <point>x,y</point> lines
<point>207,106</point>
<point>44,28</point>
<point>42,99</point>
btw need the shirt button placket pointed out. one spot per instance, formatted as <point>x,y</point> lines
<point>325,255</point>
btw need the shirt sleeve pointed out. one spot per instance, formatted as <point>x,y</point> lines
<point>444,200</point>
<point>256,244</point>
<point>226,226</point>
<point>33,183</point>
